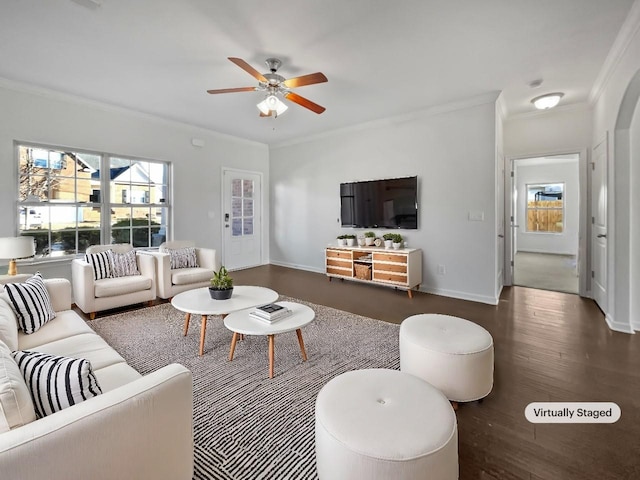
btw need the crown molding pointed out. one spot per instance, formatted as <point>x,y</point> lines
<point>475,101</point>
<point>501,107</point>
<point>189,128</point>
<point>626,34</point>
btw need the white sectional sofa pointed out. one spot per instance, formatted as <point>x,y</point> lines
<point>140,427</point>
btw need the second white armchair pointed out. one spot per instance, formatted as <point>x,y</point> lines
<point>183,276</point>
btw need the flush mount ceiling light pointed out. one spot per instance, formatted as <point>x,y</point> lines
<point>550,100</point>
<point>271,105</point>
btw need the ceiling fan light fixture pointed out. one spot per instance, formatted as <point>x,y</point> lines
<point>545,102</point>
<point>272,103</point>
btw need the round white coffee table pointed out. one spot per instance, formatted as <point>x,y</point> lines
<point>199,302</point>
<point>241,323</point>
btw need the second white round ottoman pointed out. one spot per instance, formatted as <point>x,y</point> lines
<point>381,424</point>
<point>452,354</point>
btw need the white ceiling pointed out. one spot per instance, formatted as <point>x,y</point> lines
<point>382,58</point>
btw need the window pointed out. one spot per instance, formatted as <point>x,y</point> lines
<point>241,207</point>
<point>67,203</point>
<point>545,208</point>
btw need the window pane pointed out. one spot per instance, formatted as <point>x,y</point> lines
<point>159,223</point>
<point>158,194</point>
<point>32,217</point>
<point>34,188</point>
<point>236,187</point>
<point>236,227</point>
<point>236,207</point>
<point>141,237</point>
<point>247,188</point>
<point>545,208</point>
<point>120,217</point>
<point>159,173</point>
<point>247,226</point>
<point>121,235</point>
<point>247,209</point>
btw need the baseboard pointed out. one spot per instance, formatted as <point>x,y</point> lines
<point>617,326</point>
<point>461,295</point>
<point>297,267</point>
<point>636,325</point>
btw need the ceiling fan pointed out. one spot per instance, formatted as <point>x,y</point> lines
<point>274,85</point>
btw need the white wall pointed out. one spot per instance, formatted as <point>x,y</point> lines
<point>620,74</point>
<point>53,119</point>
<point>561,130</point>
<point>561,171</point>
<point>453,153</point>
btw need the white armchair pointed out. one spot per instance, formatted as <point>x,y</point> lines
<point>173,281</point>
<point>93,296</point>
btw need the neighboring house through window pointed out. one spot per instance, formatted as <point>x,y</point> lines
<point>67,203</point>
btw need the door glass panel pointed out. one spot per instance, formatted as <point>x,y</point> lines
<point>247,209</point>
<point>247,226</point>
<point>236,227</point>
<point>236,187</point>
<point>236,207</point>
<point>247,188</point>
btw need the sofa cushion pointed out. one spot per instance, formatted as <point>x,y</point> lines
<point>182,257</point>
<point>31,303</point>
<point>56,382</point>
<point>16,406</point>
<point>186,276</point>
<point>115,376</point>
<point>101,264</point>
<point>67,324</point>
<point>124,264</point>
<point>86,345</point>
<point>8,323</point>
<point>111,287</point>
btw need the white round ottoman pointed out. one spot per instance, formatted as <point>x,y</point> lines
<point>452,354</point>
<point>383,424</point>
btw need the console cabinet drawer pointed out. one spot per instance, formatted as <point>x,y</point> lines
<point>340,271</point>
<point>337,262</point>
<point>389,277</point>
<point>389,267</point>
<point>339,254</point>
<point>389,257</point>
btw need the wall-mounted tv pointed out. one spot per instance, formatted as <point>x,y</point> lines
<point>387,203</point>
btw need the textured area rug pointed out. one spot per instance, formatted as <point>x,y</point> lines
<point>247,426</point>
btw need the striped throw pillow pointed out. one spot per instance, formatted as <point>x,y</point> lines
<point>124,264</point>
<point>182,257</point>
<point>56,382</point>
<point>101,263</point>
<point>31,302</point>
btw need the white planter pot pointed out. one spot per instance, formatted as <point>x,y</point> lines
<point>361,242</point>
<point>397,246</point>
<point>369,240</point>
<point>388,243</point>
<point>342,242</point>
<point>351,242</point>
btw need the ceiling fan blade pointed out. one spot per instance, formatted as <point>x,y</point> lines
<point>310,79</point>
<point>314,107</point>
<point>232,90</point>
<point>249,69</point>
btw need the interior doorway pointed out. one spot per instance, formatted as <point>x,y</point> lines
<point>545,222</point>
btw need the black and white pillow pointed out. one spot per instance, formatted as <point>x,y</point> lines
<point>182,257</point>
<point>56,382</point>
<point>124,264</point>
<point>101,263</point>
<point>31,302</point>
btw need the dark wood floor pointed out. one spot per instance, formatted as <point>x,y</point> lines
<point>549,346</point>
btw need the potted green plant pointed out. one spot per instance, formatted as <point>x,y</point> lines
<point>342,240</point>
<point>351,240</point>
<point>388,240</point>
<point>396,241</point>
<point>221,285</point>
<point>369,238</point>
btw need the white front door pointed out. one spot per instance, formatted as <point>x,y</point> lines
<point>599,225</point>
<point>242,219</point>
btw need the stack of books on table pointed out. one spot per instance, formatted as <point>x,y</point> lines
<point>270,312</point>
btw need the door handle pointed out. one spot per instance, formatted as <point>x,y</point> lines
<point>602,235</point>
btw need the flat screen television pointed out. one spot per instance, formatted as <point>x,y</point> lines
<point>387,203</point>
